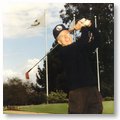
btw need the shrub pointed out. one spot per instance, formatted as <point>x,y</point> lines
<point>108,98</point>
<point>12,107</point>
<point>57,97</point>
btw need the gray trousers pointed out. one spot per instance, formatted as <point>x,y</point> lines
<point>86,100</point>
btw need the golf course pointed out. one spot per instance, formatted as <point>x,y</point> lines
<point>60,108</point>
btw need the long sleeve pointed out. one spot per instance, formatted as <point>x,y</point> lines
<point>95,42</point>
<point>82,41</point>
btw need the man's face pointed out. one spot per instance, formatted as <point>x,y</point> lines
<point>64,38</point>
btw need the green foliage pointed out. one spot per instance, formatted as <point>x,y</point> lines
<point>41,79</point>
<point>17,92</point>
<point>9,107</point>
<point>108,107</point>
<point>14,92</point>
<point>57,97</point>
<point>108,98</point>
<point>36,98</point>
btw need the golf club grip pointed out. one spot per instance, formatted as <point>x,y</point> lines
<point>71,30</point>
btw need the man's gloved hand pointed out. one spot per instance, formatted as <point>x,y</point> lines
<point>82,23</point>
<point>79,24</point>
<point>87,23</point>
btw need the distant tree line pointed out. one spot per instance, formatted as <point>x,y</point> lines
<point>16,92</point>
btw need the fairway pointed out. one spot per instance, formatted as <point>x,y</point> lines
<point>108,107</point>
<point>61,108</point>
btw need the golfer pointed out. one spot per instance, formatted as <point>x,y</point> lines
<point>84,97</point>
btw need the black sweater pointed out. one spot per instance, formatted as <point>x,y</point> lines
<point>76,60</point>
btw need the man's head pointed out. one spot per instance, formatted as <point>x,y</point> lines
<point>62,35</point>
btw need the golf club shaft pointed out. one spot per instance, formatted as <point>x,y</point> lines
<point>42,58</point>
<point>71,30</point>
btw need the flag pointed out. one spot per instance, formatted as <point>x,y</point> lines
<point>40,22</point>
<point>27,75</point>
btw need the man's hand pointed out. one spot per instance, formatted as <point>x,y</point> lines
<point>88,23</point>
<point>82,23</point>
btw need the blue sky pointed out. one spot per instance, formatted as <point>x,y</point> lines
<point>23,47</point>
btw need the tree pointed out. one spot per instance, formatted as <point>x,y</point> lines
<point>55,74</point>
<point>14,92</point>
<point>17,92</point>
<point>57,97</point>
<point>41,79</point>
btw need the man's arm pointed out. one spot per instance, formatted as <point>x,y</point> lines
<point>95,39</point>
<point>90,35</point>
<point>83,25</point>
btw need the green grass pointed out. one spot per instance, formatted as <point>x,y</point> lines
<point>61,108</point>
<point>108,107</point>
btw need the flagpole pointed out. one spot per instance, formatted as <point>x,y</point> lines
<point>74,30</point>
<point>46,55</point>
<point>97,58</point>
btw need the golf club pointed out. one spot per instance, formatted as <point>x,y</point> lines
<point>27,73</point>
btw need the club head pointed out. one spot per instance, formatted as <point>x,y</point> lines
<point>27,75</point>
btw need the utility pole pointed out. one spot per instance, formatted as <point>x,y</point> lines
<point>97,58</point>
<point>46,54</point>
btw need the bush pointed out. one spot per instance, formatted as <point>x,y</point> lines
<point>37,98</point>
<point>12,107</point>
<point>17,92</point>
<point>108,98</point>
<point>57,97</point>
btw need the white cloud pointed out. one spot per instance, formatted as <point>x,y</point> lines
<point>9,73</point>
<point>18,17</point>
<point>32,73</point>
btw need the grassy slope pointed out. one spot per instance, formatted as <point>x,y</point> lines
<point>62,108</point>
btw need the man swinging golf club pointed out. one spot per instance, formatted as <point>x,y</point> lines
<point>84,97</point>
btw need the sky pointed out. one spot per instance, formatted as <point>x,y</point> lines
<point>23,47</point>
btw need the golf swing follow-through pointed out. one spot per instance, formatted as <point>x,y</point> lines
<point>80,76</point>
<point>75,57</point>
<point>27,73</point>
